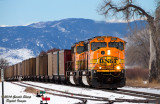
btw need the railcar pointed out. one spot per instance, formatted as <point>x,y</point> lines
<point>97,62</point>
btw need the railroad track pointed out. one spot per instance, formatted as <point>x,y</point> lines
<point>135,93</point>
<point>150,98</point>
<point>83,98</point>
<point>125,92</point>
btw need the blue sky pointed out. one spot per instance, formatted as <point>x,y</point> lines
<point>22,12</point>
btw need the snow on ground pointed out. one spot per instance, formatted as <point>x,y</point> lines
<point>15,90</point>
<point>148,90</point>
<point>85,91</point>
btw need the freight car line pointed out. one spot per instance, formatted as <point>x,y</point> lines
<point>101,98</point>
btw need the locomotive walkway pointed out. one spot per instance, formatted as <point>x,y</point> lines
<point>150,98</point>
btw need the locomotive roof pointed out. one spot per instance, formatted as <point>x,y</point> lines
<point>99,36</point>
<point>88,40</point>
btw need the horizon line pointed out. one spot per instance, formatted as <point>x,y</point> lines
<point>107,21</point>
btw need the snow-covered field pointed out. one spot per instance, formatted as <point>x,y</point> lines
<point>12,90</point>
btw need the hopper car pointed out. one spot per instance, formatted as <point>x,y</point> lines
<point>98,62</point>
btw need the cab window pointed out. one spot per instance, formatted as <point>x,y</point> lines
<point>98,45</point>
<point>118,45</point>
<point>80,49</point>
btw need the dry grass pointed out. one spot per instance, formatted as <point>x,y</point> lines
<point>143,84</point>
<point>30,90</point>
<point>137,77</point>
<point>137,73</point>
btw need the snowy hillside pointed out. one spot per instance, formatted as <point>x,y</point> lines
<point>15,55</point>
<point>60,34</point>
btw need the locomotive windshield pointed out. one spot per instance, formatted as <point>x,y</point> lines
<point>97,45</point>
<point>80,49</point>
<point>118,45</point>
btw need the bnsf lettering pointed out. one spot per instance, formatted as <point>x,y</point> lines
<point>108,60</point>
<point>101,61</point>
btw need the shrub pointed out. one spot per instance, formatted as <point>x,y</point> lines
<point>137,73</point>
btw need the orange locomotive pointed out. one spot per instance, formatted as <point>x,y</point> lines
<point>98,62</point>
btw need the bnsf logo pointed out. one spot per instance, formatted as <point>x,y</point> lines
<point>108,61</point>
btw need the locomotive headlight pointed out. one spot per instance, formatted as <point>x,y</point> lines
<point>108,52</point>
<point>118,67</point>
<point>100,67</point>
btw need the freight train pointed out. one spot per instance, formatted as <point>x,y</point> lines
<point>97,62</point>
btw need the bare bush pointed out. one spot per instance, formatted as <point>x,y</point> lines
<point>138,48</point>
<point>3,63</point>
<point>137,73</point>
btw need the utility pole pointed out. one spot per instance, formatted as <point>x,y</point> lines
<point>2,79</point>
<point>3,65</point>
